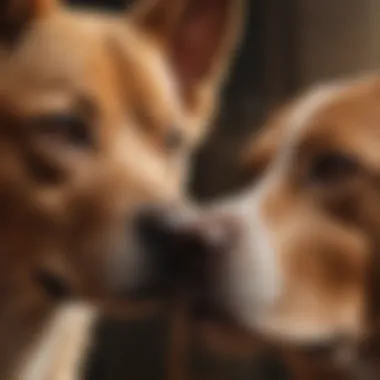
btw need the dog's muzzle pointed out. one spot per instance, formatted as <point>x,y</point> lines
<point>185,247</point>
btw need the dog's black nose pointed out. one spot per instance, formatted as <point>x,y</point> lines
<point>169,248</point>
<point>182,245</point>
<point>153,228</point>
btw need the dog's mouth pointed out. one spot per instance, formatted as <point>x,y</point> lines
<point>186,254</point>
<point>175,262</point>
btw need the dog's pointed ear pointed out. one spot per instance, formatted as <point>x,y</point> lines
<point>200,35</point>
<point>16,14</point>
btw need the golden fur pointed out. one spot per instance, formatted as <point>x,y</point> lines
<point>99,114</point>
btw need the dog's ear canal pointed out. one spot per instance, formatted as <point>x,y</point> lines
<point>15,15</point>
<point>200,35</point>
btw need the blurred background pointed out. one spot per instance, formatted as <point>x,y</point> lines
<point>289,45</point>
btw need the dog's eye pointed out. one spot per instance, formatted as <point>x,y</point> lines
<point>68,127</point>
<point>173,140</point>
<point>332,167</point>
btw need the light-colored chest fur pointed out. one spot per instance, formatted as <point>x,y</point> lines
<point>57,353</point>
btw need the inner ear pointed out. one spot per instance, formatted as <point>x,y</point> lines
<point>199,35</point>
<point>16,14</point>
<point>198,38</point>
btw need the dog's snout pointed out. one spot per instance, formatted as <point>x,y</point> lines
<point>183,230</point>
<point>172,258</point>
<point>151,226</point>
<point>166,235</point>
<point>182,245</point>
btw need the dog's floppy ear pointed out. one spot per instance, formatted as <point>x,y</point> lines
<point>15,15</point>
<point>199,35</point>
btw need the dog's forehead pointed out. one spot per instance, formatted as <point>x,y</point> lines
<point>339,112</point>
<point>73,54</point>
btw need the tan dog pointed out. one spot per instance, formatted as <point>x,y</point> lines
<point>98,116</point>
<point>296,256</point>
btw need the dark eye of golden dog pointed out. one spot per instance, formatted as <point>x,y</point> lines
<point>331,167</point>
<point>66,127</point>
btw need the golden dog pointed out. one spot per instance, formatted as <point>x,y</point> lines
<point>99,114</point>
